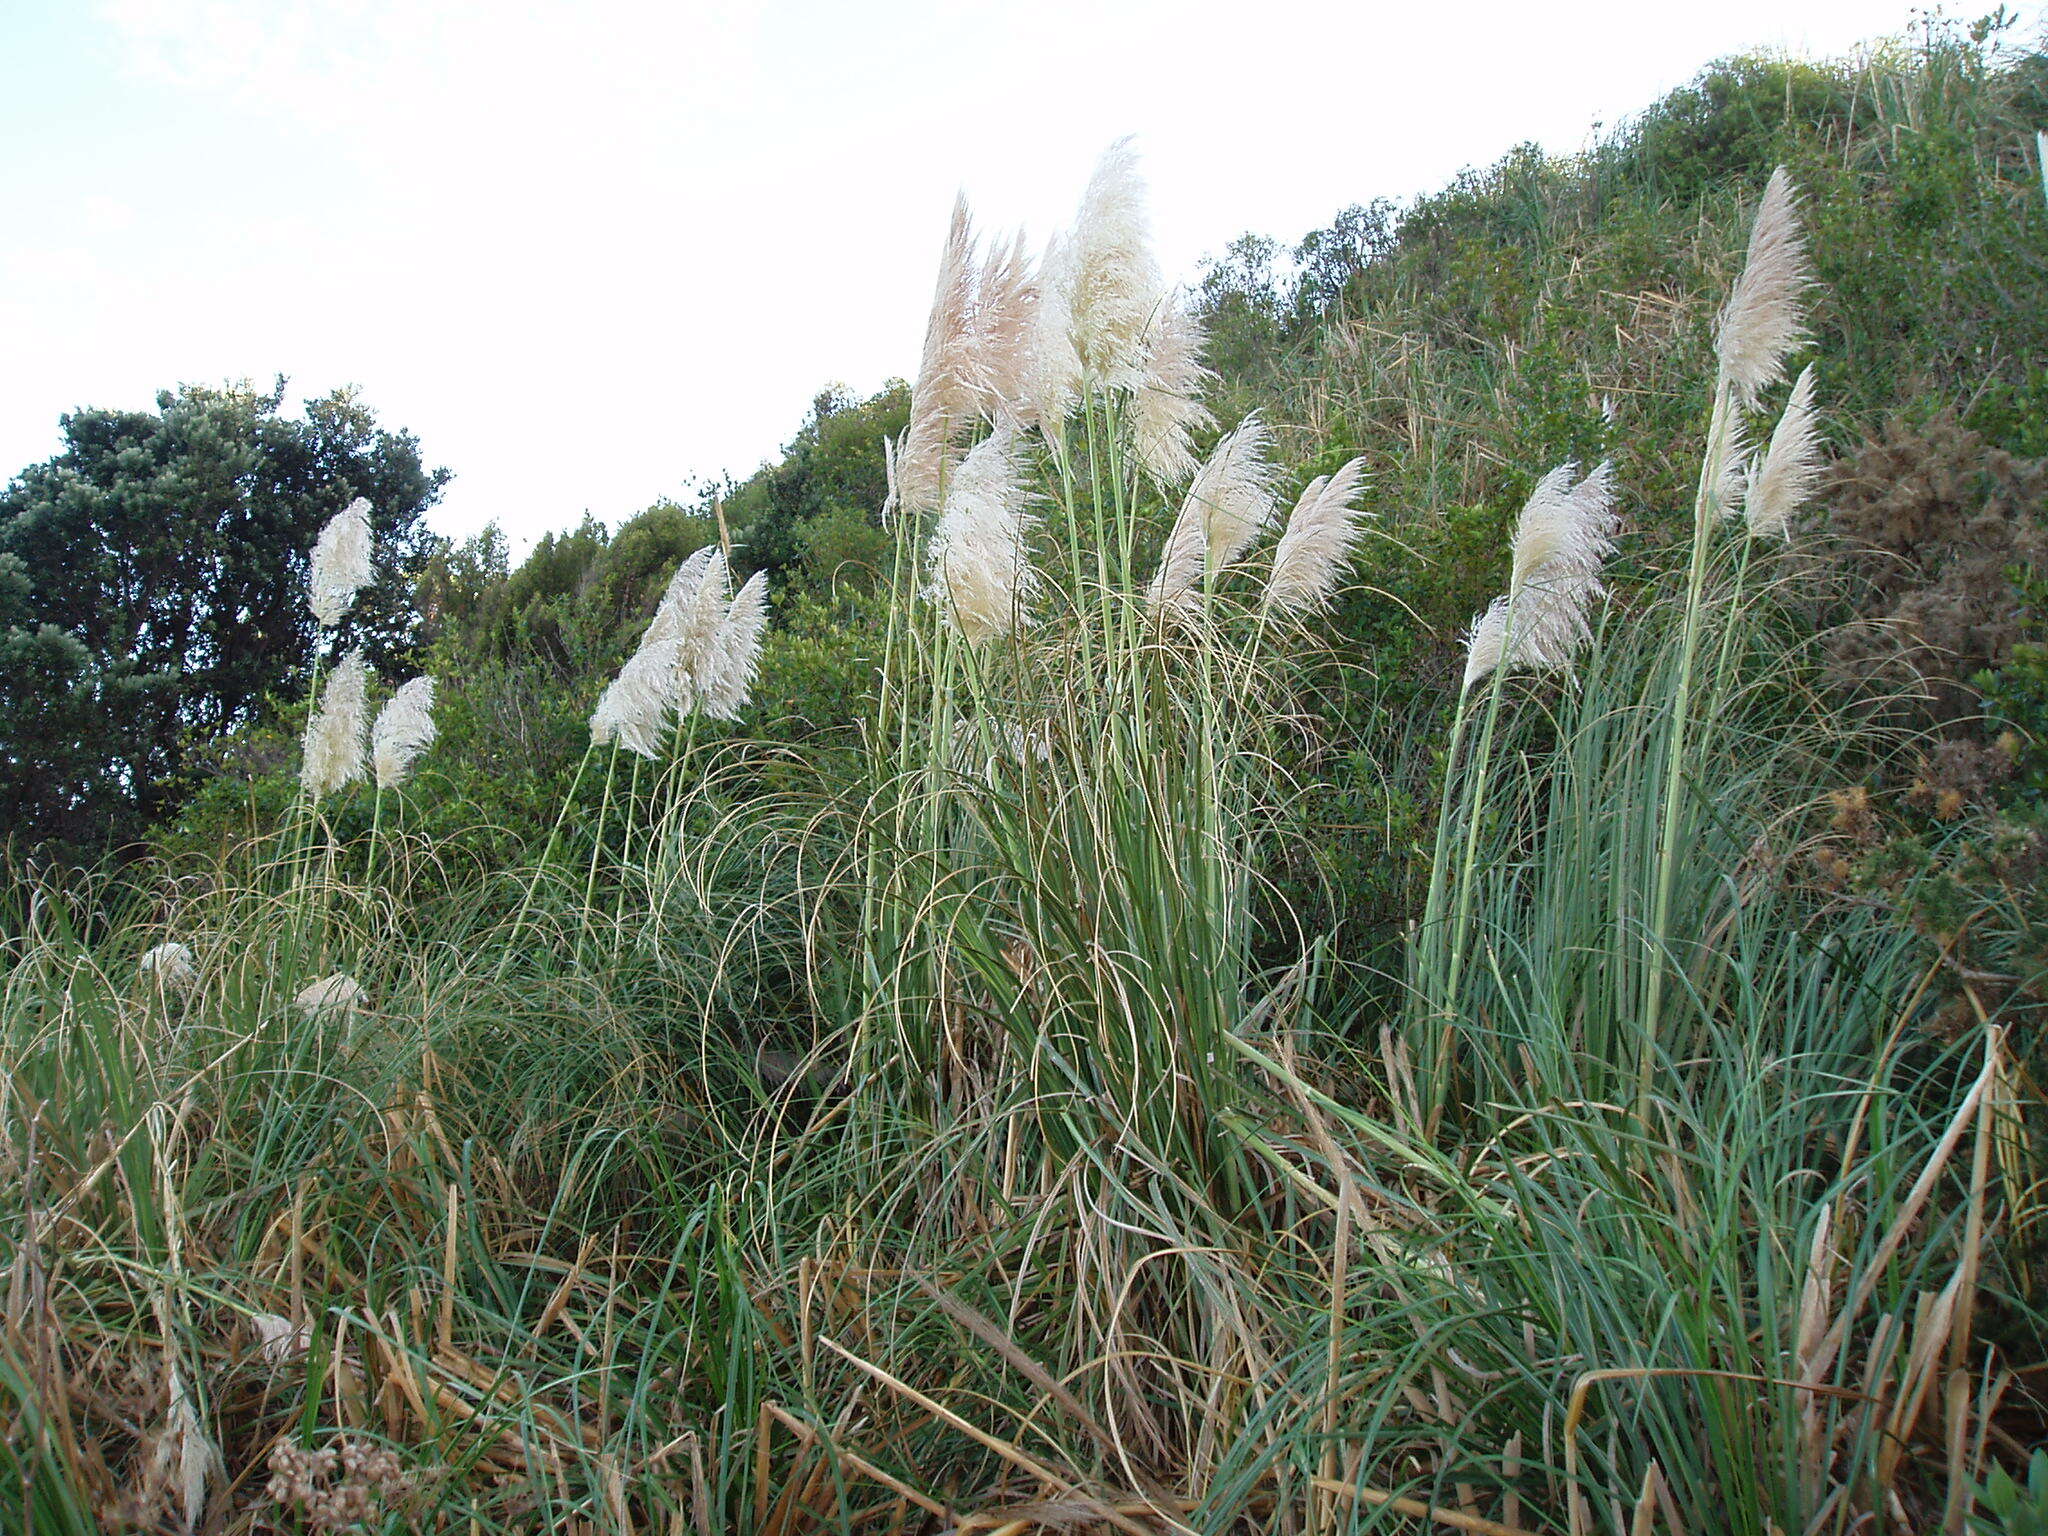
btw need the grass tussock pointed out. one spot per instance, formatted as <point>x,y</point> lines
<point>978,1137</point>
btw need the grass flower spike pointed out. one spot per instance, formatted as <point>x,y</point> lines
<point>1228,504</point>
<point>945,398</point>
<point>334,735</point>
<point>168,965</point>
<point>340,563</point>
<point>1763,320</point>
<point>404,729</point>
<point>1112,286</point>
<point>339,993</point>
<point>1167,410</point>
<point>1564,535</point>
<point>1791,466</point>
<point>1316,545</point>
<point>736,651</point>
<point>978,560</point>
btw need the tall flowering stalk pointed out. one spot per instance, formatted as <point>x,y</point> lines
<point>1563,537</point>
<point>1761,323</point>
<point>340,564</point>
<point>333,745</point>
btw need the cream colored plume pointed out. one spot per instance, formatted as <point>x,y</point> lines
<point>404,729</point>
<point>336,993</point>
<point>279,1340</point>
<point>1167,410</point>
<point>633,712</point>
<point>1486,641</point>
<point>945,398</point>
<point>697,604</point>
<point>1764,318</point>
<point>1052,373</point>
<point>1230,501</point>
<point>979,559</point>
<point>1005,331</point>
<point>1112,284</point>
<point>169,965</point>
<point>736,651</point>
<point>340,563</point>
<point>1563,537</point>
<point>1791,465</point>
<point>334,735</point>
<point>1316,545</point>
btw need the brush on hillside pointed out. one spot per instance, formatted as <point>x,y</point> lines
<point>978,561</point>
<point>333,745</point>
<point>340,565</point>
<point>1229,502</point>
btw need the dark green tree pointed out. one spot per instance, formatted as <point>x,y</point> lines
<point>152,593</point>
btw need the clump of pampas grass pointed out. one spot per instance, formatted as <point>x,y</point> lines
<point>728,679</point>
<point>404,729</point>
<point>1111,287</point>
<point>333,748</point>
<point>979,560</point>
<point>340,565</point>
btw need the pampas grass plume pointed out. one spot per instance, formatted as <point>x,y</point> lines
<point>1167,410</point>
<point>1764,318</point>
<point>334,735</point>
<point>404,729</point>
<point>736,651</point>
<point>1791,465</point>
<point>979,561</point>
<point>340,563</point>
<point>169,965</point>
<point>1564,535</point>
<point>1113,286</point>
<point>1230,501</point>
<point>944,399</point>
<point>1316,545</point>
<point>336,993</point>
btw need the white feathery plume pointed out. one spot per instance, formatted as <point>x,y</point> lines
<point>1167,410</point>
<point>340,564</point>
<point>1005,330</point>
<point>1562,538</point>
<point>1114,283</point>
<point>1486,641</point>
<point>279,1340</point>
<point>404,729</point>
<point>633,711</point>
<point>336,993</point>
<point>1791,465</point>
<point>697,606</point>
<point>979,560</point>
<point>169,965</point>
<point>1764,319</point>
<point>1052,379</point>
<point>1728,477</point>
<point>736,651</point>
<point>1230,501</point>
<point>333,749</point>
<point>1323,529</point>
<point>943,402</point>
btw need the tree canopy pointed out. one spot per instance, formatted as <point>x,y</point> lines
<point>152,592</point>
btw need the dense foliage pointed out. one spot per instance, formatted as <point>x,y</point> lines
<point>152,579</point>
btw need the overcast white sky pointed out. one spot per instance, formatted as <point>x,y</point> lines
<point>592,251</point>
